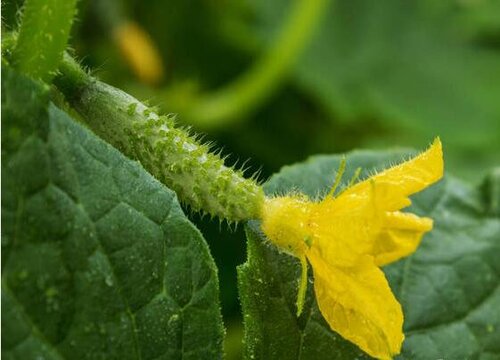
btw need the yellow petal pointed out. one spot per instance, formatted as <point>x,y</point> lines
<point>362,220</point>
<point>395,184</point>
<point>400,236</point>
<point>342,238</point>
<point>358,304</point>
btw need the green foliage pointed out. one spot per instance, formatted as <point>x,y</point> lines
<point>43,36</point>
<point>393,60</point>
<point>400,72</point>
<point>449,289</point>
<point>376,74</point>
<point>98,260</point>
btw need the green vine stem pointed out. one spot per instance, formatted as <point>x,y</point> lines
<point>43,35</point>
<point>174,157</point>
<point>228,104</point>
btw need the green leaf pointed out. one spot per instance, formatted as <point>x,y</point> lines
<point>449,289</point>
<point>99,261</point>
<point>402,63</point>
<point>476,20</point>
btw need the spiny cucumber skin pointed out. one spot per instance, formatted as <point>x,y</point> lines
<point>199,177</point>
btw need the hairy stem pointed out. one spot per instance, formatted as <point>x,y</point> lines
<point>173,156</point>
<point>43,36</point>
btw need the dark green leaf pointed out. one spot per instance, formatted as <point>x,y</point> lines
<point>449,289</point>
<point>401,63</point>
<point>99,262</point>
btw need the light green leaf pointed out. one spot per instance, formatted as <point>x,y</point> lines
<point>449,289</point>
<point>98,259</point>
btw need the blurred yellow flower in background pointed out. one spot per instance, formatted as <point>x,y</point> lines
<point>140,52</point>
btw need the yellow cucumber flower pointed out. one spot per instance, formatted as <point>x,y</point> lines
<point>346,238</point>
<point>139,51</point>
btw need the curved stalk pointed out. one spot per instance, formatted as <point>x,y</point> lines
<point>252,87</point>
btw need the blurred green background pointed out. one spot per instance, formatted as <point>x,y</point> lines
<point>304,77</point>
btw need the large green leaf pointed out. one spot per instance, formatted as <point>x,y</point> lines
<point>449,289</point>
<point>402,63</point>
<point>98,259</point>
